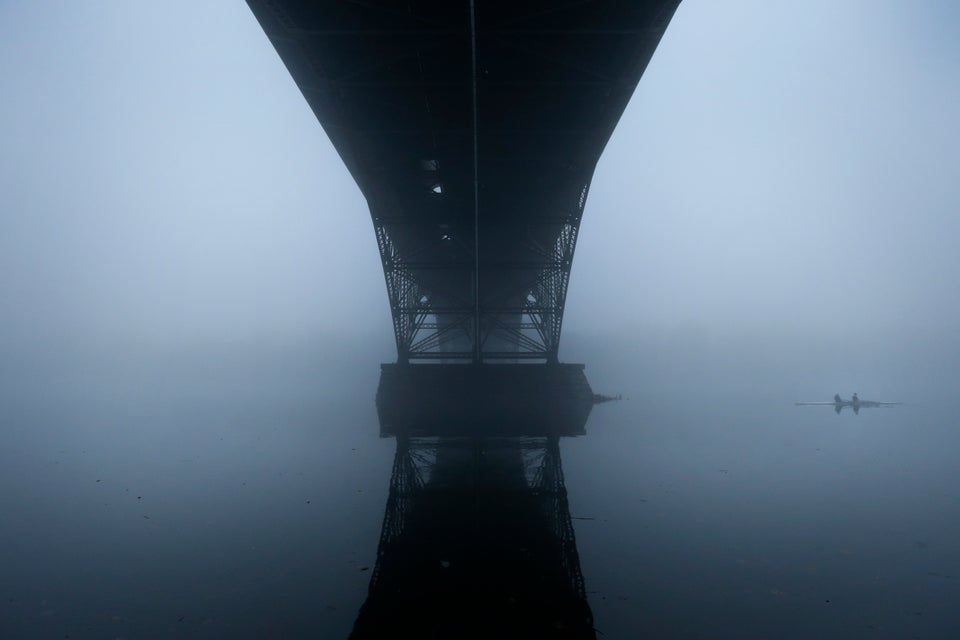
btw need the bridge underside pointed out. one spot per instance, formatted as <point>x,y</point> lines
<point>473,128</point>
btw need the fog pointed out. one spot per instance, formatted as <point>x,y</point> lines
<point>165,181</point>
<point>781,171</point>
<point>191,302</point>
<point>786,171</point>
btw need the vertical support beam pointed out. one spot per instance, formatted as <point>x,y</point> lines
<point>476,193</point>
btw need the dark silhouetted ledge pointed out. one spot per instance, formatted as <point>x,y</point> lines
<point>483,400</point>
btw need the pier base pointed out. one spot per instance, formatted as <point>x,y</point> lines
<point>483,400</point>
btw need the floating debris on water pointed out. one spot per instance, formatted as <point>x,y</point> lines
<point>599,398</point>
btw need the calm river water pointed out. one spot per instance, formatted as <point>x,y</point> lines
<point>221,493</point>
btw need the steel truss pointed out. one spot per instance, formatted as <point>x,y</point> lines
<point>433,294</point>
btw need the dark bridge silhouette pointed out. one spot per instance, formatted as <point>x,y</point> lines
<point>473,128</point>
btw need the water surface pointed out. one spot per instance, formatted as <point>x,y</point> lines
<point>239,492</point>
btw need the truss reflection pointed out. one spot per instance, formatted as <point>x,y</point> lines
<point>477,542</point>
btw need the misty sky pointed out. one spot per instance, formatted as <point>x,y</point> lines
<point>783,168</point>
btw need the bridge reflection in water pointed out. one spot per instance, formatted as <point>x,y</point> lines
<point>477,539</point>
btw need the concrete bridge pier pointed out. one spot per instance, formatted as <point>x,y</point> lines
<point>486,400</point>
